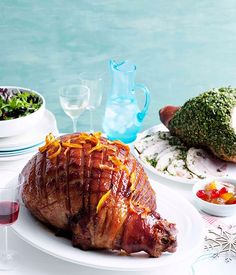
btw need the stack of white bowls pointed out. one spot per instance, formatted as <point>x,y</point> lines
<point>21,137</point>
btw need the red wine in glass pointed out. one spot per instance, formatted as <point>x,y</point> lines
<point>8,212</point>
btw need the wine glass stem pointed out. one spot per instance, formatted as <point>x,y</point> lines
<point>91,120</point>
<point>5,249</point>
<point>75,120</point>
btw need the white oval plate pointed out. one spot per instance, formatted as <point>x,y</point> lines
<point>231,167</point>
<point>170,205</point>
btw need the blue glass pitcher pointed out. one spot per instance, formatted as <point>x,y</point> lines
<point>123,118</point>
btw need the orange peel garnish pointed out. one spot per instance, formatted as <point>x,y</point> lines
<point>118,142</point>
<point>118,163</point>
<point>71,145</point>
<point>102,200</point>
<point>132,181</point>
<point>99,147</point>
<point>97,135</point>
<point>56,153</point>
<point>106,167</point>
<point>66,151</point>
<point>49,139</point>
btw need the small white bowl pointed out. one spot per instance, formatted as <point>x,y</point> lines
<point>19,125</point>
<point>220,210</point>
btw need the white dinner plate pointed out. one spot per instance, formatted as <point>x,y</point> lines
<point>231,167</point>
<point>33,137</point>
<point>169,204</point>
<point>20,152</point>
<point>18,157</point>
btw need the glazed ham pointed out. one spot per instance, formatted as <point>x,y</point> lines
<point>96,190</point>
<point>167,113</point>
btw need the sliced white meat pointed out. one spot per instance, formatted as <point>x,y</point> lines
<point>167,149</point>
<point>153,151</point>
<point>205,164</point>
<point>146,142</point>
<point>166,157</point>
<point>178,168</point>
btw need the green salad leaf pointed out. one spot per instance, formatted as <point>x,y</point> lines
<point>15,104</point>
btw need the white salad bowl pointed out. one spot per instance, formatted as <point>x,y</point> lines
<point>220,210</point>
<point>19,125</point>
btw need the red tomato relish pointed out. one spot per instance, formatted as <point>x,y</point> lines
<point>218,192</point>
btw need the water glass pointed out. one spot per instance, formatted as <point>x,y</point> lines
<point>74,100</point>
<point>93,81</point>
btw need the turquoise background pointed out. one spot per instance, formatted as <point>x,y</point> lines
<point>180,47</point>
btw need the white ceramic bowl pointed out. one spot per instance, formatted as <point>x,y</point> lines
<point>19,125</point>
<point>212,208</point>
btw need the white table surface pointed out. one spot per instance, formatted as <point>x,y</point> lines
<point>32,261</point>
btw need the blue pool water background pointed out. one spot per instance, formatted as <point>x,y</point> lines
<point>180,47</point>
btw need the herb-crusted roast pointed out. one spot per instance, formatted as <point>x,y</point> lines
<point>95,189</point>
<point>208,120</point>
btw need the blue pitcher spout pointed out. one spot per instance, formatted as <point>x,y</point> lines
<point>123,74</point>
<point>123,66</point>
<point>114,64</point>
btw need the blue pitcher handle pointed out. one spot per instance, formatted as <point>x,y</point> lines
<point>143,113</point>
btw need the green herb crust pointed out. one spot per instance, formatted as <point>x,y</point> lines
<point>206,121</point>
<point>15,105</point>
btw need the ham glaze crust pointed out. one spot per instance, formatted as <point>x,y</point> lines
<point>96,190</point>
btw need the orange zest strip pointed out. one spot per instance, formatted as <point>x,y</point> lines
<point>48,141</point>
<point>117,142</point>
<point>106,167</point>
<point>56,153</point>
<point>100,147</point>
<point>80,141</point>
<point>49,137</point>
<point>144,211</point>
<point>97,135</point>
<point>132,181</point>
<point>66,151</point>
<point>102,200</point>
<point>71,145</point>
<point>118,163</point>
<point>132,207</point>
<point>91,137</point>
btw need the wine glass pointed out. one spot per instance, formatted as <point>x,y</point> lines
<point>94,82</point>
<point>10,194</point>
<point>74,100</point>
